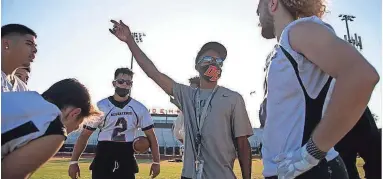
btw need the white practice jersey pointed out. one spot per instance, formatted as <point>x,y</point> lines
<point>296,96</point>
<point>179,130</point>
<point>26,116</point>
<point>7,86</point>
<point>121,120</point>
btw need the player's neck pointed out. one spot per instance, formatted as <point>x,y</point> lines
<point>119,98</point>
<point>281,23</point>
<point>207,85</point>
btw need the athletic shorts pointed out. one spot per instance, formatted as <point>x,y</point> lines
<point>334,169</point>
<point>114,160</point>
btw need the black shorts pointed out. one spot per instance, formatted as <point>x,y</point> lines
<point>333,169</point>
<point>114,160</point>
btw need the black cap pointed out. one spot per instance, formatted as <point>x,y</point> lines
<point>219,48</point>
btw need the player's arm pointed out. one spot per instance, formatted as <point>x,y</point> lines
<point>146,125</point>
<point>242,130</point>
<point>123,32</point>
<point>79,147</point>
<point>22,162</point>
<point>355,79</point>
<point>153,144</point>
<point>81,142</point>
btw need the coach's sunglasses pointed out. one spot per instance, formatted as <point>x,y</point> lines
<point>122,81</point>
<point>210,59</point>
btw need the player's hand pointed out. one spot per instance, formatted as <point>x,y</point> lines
<point>74,171</point>
<point>120,30</point>
<point>154,170</point>
<point>295,163</point>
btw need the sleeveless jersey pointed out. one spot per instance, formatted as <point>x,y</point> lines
<point>295,98</point>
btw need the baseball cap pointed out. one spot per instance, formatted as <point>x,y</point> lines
<point>219,48</point>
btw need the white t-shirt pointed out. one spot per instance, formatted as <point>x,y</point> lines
<point>120,120</point>
<point>7,86</point>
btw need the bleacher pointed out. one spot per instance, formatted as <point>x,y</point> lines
<point>167,142</point>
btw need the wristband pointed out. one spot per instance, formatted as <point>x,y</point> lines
<point>73,162</point>
<point>313,150</point>
<point>157,163</point>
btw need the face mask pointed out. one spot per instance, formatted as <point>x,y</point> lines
<point>210,72</point>
<point>122,92</point>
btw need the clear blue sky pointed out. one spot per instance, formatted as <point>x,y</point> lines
<point>74,41</point>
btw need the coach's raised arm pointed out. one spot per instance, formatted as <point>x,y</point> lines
<point>215,118</point>
<point>122,32</point>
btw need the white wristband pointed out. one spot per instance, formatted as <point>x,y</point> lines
<point>157,163</point>
<point>73,162</point>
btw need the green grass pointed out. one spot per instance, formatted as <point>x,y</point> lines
<point>57,168</point>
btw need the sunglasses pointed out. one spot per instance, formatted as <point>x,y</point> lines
<point>122,81</point>
<point>210,59</point>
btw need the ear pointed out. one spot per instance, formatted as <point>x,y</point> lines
<point>114,83</point>
<point>75,113</point>
<point>273,4</point>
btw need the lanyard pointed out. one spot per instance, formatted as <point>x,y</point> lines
<point>201,118</point>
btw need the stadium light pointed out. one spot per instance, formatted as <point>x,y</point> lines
<point>253,92</point>
<point>357,41</point>
<point>138,37</point>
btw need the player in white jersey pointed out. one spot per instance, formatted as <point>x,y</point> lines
<point>34,126</point>
<point>23,74</point>
<point>123,116</point>
<point>18,49</point>
<point>300,128</point>
<point>178,125</point>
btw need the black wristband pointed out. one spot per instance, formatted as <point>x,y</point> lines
<point>313,150</point>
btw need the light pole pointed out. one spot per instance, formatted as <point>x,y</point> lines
<point>138,38</point>
<point>357,40</point>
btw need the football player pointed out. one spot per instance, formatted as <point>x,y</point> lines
<point>34,126</point>
<point>123,115</point>
<point>23,74</point>
<point>18,49</point>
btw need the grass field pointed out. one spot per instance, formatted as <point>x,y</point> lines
<point>57,168</point>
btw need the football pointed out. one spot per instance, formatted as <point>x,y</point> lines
<point>141,144</point>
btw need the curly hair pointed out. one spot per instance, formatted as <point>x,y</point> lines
<point>305,8</point>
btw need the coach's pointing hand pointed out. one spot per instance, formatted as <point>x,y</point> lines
<point>154,170</point>
<point>120,30</point>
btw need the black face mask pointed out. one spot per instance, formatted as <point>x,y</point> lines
<point>210,72</point>
<point>122,92</point>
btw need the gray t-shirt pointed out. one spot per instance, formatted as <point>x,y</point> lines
<point>226,118</point>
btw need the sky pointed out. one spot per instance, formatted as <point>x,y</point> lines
<point>74,42</point>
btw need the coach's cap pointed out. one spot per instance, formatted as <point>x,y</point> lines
<point>219,48</point>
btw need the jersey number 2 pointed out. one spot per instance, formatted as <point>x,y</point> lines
<point>118,132</point>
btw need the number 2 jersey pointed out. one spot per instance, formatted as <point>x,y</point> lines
<point>120,120</point>
<point>27,116</point>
